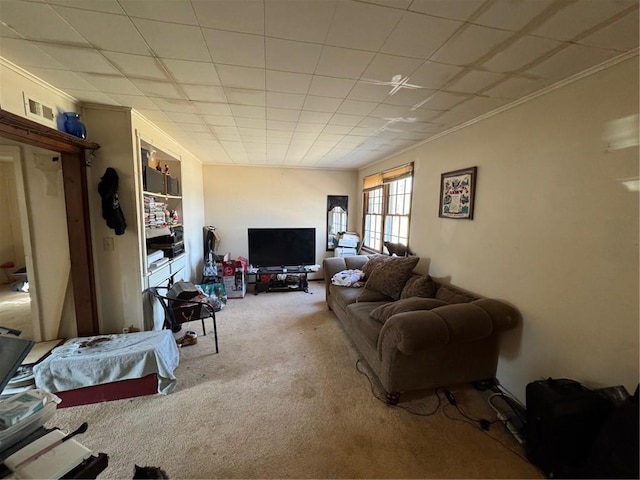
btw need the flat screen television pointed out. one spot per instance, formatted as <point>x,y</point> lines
<point>282,247</point>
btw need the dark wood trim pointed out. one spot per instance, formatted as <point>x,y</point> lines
<point>74,172</point>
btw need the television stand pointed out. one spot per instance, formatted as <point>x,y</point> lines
<point>280,279</point>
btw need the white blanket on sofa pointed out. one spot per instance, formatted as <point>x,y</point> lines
<point>348,278</point>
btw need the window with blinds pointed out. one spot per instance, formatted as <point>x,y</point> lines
<point>387,207</point>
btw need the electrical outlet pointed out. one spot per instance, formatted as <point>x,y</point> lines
<point>107,244</point>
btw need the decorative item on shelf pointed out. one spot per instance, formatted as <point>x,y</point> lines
<point>73,125</point>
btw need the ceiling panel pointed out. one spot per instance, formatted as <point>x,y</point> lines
<point>313,83</point>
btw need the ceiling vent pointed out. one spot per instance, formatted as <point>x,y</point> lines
<point>38,111</point>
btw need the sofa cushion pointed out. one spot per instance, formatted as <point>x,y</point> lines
<point>373,262</point>
<point>363,325</point>
<point>452,295</point>
<point>389,277</point>
<point>383,312</point>
<point>368,295</point>
<point>419,286</point>
<point>345,296</point>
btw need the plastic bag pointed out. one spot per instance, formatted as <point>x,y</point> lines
<point>216,294</point>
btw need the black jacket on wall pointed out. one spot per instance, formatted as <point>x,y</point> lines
<point>111,211</point>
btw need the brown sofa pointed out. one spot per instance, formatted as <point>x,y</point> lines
<point>416,333</point>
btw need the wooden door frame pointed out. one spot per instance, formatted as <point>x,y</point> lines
<point>74,172</point>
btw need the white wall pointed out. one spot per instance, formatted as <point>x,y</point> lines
<point>555,231</point>
<point>238,198</point>
<point>11,243</point>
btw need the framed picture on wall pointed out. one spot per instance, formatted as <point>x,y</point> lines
<point>457,193</point>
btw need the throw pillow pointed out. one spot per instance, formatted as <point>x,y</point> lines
<point>373,262</point>
<point>390,276</point>
<point>419,286</point>
<point>383,312</point>
<point>450,295</point>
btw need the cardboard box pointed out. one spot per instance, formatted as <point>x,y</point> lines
<point>233,277</point>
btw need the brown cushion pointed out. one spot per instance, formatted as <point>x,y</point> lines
<point>373,262</point>
<point>419,286</point>
<point>451,295</point>
<point>390,276</point>
<point>383,312</point>
<point>368,295</point>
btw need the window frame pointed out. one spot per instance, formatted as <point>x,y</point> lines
<point>381,182</point>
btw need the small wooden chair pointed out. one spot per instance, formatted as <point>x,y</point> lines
<point>179,311</point>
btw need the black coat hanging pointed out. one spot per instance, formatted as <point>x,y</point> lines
<point>111,211</point>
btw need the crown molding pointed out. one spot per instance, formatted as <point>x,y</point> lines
<point>31,77</point>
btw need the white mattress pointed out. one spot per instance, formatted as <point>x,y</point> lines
<point>88,361</point>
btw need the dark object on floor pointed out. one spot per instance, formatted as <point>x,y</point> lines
<point>563,420</point>
<point>149,472</point>
<point>111,211</point>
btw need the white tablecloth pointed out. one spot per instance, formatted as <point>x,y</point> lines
<point>88,361</point>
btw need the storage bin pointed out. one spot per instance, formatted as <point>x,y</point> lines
<point>20,430</point>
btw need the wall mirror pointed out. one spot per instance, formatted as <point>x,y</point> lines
<point>337,208</point>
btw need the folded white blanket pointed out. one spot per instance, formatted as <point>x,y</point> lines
<point>348,278</point>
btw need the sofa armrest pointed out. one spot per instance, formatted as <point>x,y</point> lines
<point>410,332</point>
<point>333,265</point>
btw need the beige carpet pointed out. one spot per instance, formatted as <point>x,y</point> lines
<point>15,310</point>
<point>283,399</point>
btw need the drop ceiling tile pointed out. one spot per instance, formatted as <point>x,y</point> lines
<point>374,23</point>
<point>241,77</point>
<point>225,130</point>
<point>172,40</point>
<point>180,117</point>
<point>196,73</point>
<point>259,123</point>
<point>343,62</point>
<point>621,35</point>
<point>37,21</point>
<point>111,83</point>
<point>321,104</point>
<point>280,125</point>
<point>85,96</point>
<point>228,137</point>
<point>98,28</point>
<point>284,114</point>
<point>422,114</point>
<point>287,82</point>
<point>306,21</point>
<point>479,105</point>
<point>327,138</point>
<point>152,88</point>
<point>289,56</point>
<point>105,6</point>
<point>517,87</point>
<point>279,135</point>
<point>470,44</point>
<point>363,131</point>
<point>246,16</point>
<point>204,93</point>
<point>153,115</point>
<point>452,118</point>
<point>175,11</point>
<point>434,75</point>
<point>524,51</point>
<point>337,129</point>
<point>26,54</point>
<point>285,100</point>
<point>221,120</point>
<point>330,86</point>
<point>233,48</point>
<point>7,32</point>
<point>458,10</point>
<point>444,100</point>
<point>474,81</point>
<point>372,122</point>
<point>62,79</point>
<point>369,92</point>
<point>79,59</point>
<point>576,18</point>
<point>193,128</point>
<point>137,66</point>
<point>242,96</point>
<point>138,102</point>
<point>211,108</point>
<point>343,119</point>
<point>570,61</point>
<point>384,67</point>
<point>303,138</point>
<point>354,107</point>
<point>409,97</point>
<point>418,35</point>
<point>510,15</point>
<point>315,117</point>
<point>174,105</point>
<point>384,110</point>
<point>249,111</point>
<point>309,127</point>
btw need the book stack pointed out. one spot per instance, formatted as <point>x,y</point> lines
<point>154,213</point>
<point>21,381</point>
